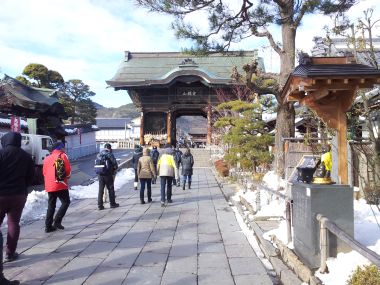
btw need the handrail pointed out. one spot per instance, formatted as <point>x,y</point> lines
<point>286,198</point>
<point>338,232</point>
<point>288,210</point>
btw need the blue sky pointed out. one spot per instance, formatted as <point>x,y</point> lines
<point>86,39</point>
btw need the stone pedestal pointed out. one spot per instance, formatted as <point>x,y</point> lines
<point>332,201</point>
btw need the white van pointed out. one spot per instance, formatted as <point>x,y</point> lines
<point>39,147</point>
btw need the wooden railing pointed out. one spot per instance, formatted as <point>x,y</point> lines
<point>325,226</point>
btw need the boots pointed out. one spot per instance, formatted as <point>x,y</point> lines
<point>189,184</point>
<point>58,223</point>
<point>183,185</point>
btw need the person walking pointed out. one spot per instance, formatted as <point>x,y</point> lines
<point>106,176</point>
<point>55,187</point>
<point>166,170</point>
<point>154,154</point>
<point>146,172</point>
<point>16,173</point>
<point>177,160</point>
<point>187,162</point>
<point>135,159</point>
<point>3,280</point>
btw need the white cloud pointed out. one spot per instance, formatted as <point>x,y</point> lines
<point>79,39</point>
<point>86,39</point>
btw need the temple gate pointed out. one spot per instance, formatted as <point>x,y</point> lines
<point>165,86</point>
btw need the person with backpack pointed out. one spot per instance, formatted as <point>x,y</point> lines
<point>16,173</point>
<point>135,159</point>
<point>166,170</point>
<point>146,172</point>
<point>56,170</point>
<point>154,154</point>
<point>108,166</point>
<point>187,162</point>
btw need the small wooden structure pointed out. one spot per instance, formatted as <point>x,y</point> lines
<point>328,85</point>
<point>30,102</point>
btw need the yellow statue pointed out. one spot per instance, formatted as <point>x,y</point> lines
<point>324,166</point>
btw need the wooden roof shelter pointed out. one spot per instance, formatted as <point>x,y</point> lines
<point>26,101</point>
<point>328,85</point>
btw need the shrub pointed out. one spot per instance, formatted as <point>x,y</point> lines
<point>222,168</point>
<point>372,195</point>
<point>258,176</point>
<point>368,275</point>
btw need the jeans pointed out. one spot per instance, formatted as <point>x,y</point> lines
<point>136,176</point>
<point>186,177</point>
<point>148,182</point>
<point>166,180</point>
<point>103,181</point>
<point>12,206</point>
<point>64,197</point>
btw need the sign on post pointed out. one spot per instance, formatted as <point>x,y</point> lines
<point>15,124</point>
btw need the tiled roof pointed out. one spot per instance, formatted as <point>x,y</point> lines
<point>145,69</point>
<point>315,70</point>
<point>112,123</point>
<point>25,95</point>
<point>84,128</point>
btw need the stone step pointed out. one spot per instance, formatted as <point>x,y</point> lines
<point>201,157</point>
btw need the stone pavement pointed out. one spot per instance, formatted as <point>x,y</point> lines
<point>194,240</point>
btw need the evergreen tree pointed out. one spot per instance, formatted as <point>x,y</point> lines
<point>251,18</point>
<point>38,75</point>
<point>87,112</point>
<point>75,98</point>
<point>245,133</point>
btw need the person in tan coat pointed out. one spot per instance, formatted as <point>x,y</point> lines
<point>146,172</point>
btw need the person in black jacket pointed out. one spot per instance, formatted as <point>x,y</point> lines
<point>106,178</point>
<point>177,158</point>
<point>154,154</point>
<point>16,174</point>
<point>135,159</point>
<point>187,162</point>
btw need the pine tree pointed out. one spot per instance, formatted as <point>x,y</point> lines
<point>251,18</point>
<point>245,133</point>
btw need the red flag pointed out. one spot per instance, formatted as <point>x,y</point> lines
<point>15,124</point>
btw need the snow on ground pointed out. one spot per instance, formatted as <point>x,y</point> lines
<point>366,223</point>
<point>36,205</point>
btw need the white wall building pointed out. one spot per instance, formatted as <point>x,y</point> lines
<point>117,129</point>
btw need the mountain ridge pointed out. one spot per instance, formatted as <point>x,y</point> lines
<point>124,111</point>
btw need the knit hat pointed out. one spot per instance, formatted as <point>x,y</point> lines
<point>58,146</point>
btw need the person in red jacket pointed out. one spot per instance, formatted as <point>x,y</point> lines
<point>56,189</point>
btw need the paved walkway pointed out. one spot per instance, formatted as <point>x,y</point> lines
<point>195,240</point>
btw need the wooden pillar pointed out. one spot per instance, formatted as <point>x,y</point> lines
<point>142,129</point>
<point>169,126</point>
<point>209,125</point>
<point>342,146</point>
<point>174,129</point>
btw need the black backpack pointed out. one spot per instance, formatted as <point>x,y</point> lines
<point>60,171</point>
<point>102,165</point>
